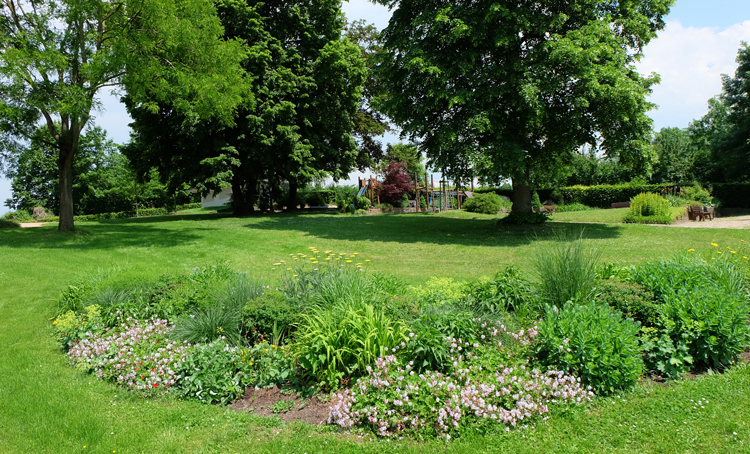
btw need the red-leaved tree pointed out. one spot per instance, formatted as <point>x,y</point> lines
<point>396,182</point>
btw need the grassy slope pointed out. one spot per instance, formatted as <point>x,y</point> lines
<point>47,407</point>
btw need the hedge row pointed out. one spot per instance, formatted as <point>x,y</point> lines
<point>602,196</point>
<point>143,212</point>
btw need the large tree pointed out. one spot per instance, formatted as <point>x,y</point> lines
<point>57,55</point>
<point>306,84</point>
<point>513,88</point>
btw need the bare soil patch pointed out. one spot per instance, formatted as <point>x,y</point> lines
<point>263,402</point>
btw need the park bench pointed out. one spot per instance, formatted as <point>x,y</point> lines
<point>621,205</point>
<point>696,213</point>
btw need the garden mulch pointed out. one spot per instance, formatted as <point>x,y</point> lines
<point>259,402</point>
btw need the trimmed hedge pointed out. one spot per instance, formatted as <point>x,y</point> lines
<point>602,196</point>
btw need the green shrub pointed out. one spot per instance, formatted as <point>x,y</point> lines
<point>507,291</point>
<point>566,271</point>
<point>736,195</point>
<point>269,313</point>
<point>422,202</point>
<point>649,204</point>
<point>535,202</point>
<point>698,194</point>
<point>340,341</point>
<point>439,291</point>
<point>703,315</point>
<point>267,364</point>
<point>18,216</point>
<point>489,203</point>
<point>73,326</point>
<point>593,342</point>
<point>404,202</point>
<point>430,337</point>
<point>316,199</point>
<point>211,373</point>
<point>632,300</point>
<point>362,202</point>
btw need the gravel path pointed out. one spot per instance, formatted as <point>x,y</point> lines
<point>730,222</point>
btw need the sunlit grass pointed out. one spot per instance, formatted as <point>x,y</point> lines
<point>46,406</point>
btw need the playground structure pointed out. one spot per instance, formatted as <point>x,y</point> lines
<point>437,199</point>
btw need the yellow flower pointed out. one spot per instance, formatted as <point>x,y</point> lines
<point>315,261</point>
<point>355,253</point>
<point>276,264</point>
<point>691,250</point>
<point>734,252</point>
<point>729,247</point>
<point>713,258</point>
<point>289,269</point>
<point>328,258</point>
<point>367,260</point>
<point>348,261</point>
<point>714,245</point>
<point>312,258</point>
<point>718,252</point>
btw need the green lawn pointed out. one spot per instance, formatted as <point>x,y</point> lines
<point>45,406</point>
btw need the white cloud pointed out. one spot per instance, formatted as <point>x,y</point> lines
<point>690,61</point>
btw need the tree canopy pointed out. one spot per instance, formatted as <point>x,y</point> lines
<point>296,120</point>
<point>58,55</point>
<point>513,89</point>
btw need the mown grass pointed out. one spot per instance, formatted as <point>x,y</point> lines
<point>45,406</point>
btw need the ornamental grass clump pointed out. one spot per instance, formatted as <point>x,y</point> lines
<point>137,355</point>
<point>567,271</point>
<point>649,208</point>
<point>490,385</point>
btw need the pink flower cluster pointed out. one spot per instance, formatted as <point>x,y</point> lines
<point>394,401</point>
<point>137,355</point>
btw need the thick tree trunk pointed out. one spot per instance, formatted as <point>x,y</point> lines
<point>239,197</point>
<point>65,172</point>
<point>291,203</point>
<point>522,193</point>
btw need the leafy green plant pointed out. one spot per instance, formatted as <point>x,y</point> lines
<point>535,202</point>
<point>569,207</point>
<point>282,406</point>
<point>489,203</point>
<point>593,342</point>
<point>439,291</point>
<point>699,194</point>
<point>73,326</point>
<point>632,300</point>
<point>428,347</point>
<point>631,218</point>
<point>341,340</point>
<point>662,355</point>
<point>649,204</point>
<point>18,216</point>
<point>507,291</point>
<point>362,202</point>
<point>266,364</point>
<point>566,271</point>
<point>268,312</point>
<point>386,207</point>
<point>211,373</point>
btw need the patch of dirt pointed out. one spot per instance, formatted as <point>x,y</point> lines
<point>33,224</point>
<point>261,401</point>
<point>729,222</point>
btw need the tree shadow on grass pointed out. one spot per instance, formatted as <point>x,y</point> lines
<point>105,234</point>
<point>426,228</point>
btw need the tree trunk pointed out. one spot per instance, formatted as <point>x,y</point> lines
<point>239,198</point>
<point>65,171</point>
<point>521,197</point>
<point>291,203</point>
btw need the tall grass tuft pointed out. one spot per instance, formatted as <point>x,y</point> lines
<point>237,290</point>
<point>567,271</point>
<point>209,324</point>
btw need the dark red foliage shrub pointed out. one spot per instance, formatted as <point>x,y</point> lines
<point>396,182</point>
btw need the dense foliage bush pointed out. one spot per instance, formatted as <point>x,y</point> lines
<point>603,196</point>
<point>396,183</point>
<point>631,218</point>
<point>212,373</point>
<point>209,324</point>
<point>631,299</point>
<point>703,315</point>
<point>566,271</point>
<point>593,342</point>
<point>649,204</point>
<point>9,224</point>
<point>508,291</point>
<point>438,291</point>
<point>18,216</point>
<point>489,203</point>
<point>362,202</point>
<point>698,194</point>
<point>73,326</point>
<point>269,314</point>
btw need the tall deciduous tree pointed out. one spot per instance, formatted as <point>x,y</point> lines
<point>57,55</point>
<point>306,84</point>
<point>516,87</point>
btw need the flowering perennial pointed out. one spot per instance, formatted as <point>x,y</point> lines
<point>137,355</point>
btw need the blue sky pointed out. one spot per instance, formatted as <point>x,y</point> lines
<point>699,43</point>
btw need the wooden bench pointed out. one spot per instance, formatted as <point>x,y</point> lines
<point>696,213</point>
<point>621,205</point>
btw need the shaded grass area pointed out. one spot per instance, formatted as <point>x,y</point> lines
<point>48,407</point>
